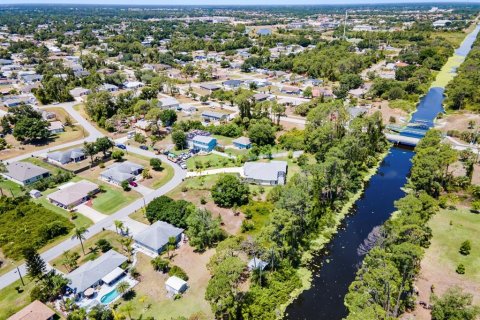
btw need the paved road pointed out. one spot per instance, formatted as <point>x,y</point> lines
<point>123,213</point>
<point>93,133</point>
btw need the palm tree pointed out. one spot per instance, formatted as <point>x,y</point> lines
<point>118,225</point>
<point>128,308</point>
<point>123,287</point>
<point>79,233</point>
<point>172,243</point>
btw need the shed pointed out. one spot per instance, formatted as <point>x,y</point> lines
<point>35,194</point>
<point>175,285</point>
<point>242,143</point>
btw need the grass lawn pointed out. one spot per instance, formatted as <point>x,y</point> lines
<point>455,38</point>
<point>12,301</point>
<point>110,236</point>
<point>151,296</point>
<point>163,176</point>
<point>113,199</point>
<point>222,140</point>
<point>10,188</point>
<point>80,221</point>
<point>450,229</point>
<point>209,161</point>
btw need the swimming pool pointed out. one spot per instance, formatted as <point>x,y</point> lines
<point>109,297</point>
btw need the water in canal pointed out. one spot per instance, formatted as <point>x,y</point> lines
<point>335,267</point>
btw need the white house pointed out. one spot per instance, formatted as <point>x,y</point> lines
<point>266,173</point>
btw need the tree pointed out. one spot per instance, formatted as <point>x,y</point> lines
<point>160,264</point>
<point>229,191</point>
<point>104,245</point>
<point>171,245</point>
<point>156,164</point>
<point>307,93</point>
<point>125,185</point>
<point>146,174</point>
<point>27,129</point>
<point>166,209</point>
<point>70,260</point>
<point>90,150</point>
<point>454,305</point>
<point>118,225</point>
<point>103,144</point>
<point>262,132</point>
<point>168,117</point>
<point>148,93</point>
<point>117,155</point>
<point>36,266</point>
<point>79,233</point>
<point>203,230</point>
<point>123,287</point>
<point>180,139</point>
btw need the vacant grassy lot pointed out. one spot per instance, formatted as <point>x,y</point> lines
<point>12,301</point>
<point>159,178</point>
<point>450,228</point>
<point>90,249</point>
<point>151,296</point>
<point>10,188</point>
<point>210,161</point>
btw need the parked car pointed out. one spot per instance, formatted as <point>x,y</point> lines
<point>122,146</point>
<point>183,165</point>
<point>133,184</point>
<point>143,147</point>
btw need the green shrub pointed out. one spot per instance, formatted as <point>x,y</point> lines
<point>103,245</point>
<point>179,272</point>
<point>465,248</point>
<point>160,264</point>
<point>460,269</point>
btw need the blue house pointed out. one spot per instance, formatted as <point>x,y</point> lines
<point>242,143</point>
<point>204,143</point>
<point>232,83</point>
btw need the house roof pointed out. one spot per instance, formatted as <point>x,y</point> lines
<point>232,83</point>
<point>213,114</point>
<point>209,86</point>
<point>267,171</point>
<point>156,236</point>
<point>34,311</point>
<point>175,283</point>
<point>121,171</point>
<point>242,140</point>
<point>93,271</point>
<point>76,92</point>
<point>66,156</point>
<point>260,96</point>
<point>169,101</point>
<point>203,139</point>
<point>22,171</point>
<point>73,193</point>
<point>55,125</point>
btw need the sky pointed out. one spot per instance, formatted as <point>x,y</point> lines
<point>227,2</point>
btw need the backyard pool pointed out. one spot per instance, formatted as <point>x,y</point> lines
<point>109,297</point>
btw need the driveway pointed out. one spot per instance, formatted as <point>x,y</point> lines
<point>91,213</point>
<point>142,189</point>
<point>134,227</point>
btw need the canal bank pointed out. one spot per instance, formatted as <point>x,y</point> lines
<point>334,267</point>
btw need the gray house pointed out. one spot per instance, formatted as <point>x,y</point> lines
<point>64,157</point>
<point>119,172</point>
<point>266,173</point>
<point>24,173</point>
<point>105,269</point>
<point>74,194</point>
<point>155,238</point>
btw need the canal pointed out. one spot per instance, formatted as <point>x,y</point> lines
<point>334,268</point>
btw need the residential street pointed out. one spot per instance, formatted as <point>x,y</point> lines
<point>106,223</point>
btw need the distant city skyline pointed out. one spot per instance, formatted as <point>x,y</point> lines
<point>232,2</point>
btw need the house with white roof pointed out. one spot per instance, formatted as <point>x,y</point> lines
<point>24,173</point>
<point>154,239</point>
<point>169,103</point>
<point>119,172</point>
<point>64,157</point>
<point>74,194</point>
<point>105,269</point>
<point>266,173</point>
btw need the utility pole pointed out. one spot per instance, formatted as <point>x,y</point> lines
<point>20,275</point>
